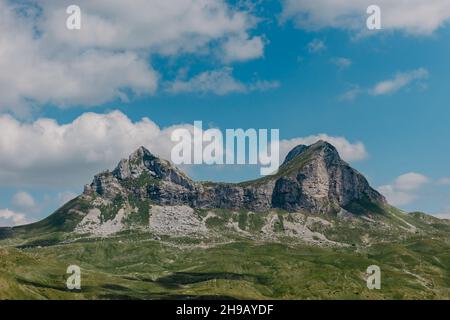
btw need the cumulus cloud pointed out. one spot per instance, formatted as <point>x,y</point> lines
<point>24,201</point>
<point>348,151</point>
<point>404,188</point>
<point>46,153</point>
<point>163,26</point>
<point>43,62</point>
<point>400,81</point>
<point>420,17</point>
<point>9,218</point>
<point>410,181</point>
<point>219,82</point>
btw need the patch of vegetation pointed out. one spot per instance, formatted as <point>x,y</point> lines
<point>201,213</point>
<point>279,224</point>
<point>256,221</point>
<point>144,180</point>
<point>243,220</point>
<point>64,219</point>
<point>364,206</point>
<point>109,212</point>
<point>142,216</point>
<point>215,222</point>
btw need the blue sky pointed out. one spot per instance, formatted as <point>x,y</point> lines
<point>387,89</point>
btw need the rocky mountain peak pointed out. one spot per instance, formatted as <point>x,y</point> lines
<point>294,153</point>
<point>325,150</point>
<point>141,170</point>
<point>320,149</point>
<point>138,162</point>
<point>141,154</point>
<point>142,161</point>
<point>324,147</point>
<point>312,178</point>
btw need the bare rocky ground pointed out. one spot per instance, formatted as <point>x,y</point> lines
<point>181,221</point>
<point>184,221</point>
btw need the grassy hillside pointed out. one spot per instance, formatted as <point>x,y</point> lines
<point>141,268</point>
<point>414,257</point>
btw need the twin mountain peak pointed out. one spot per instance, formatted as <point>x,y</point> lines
<point>311,179</point>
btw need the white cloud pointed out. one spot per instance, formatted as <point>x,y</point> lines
<point>396,197</point>
<point>64,197</point>
<point>316,46</point>
<point>351,94</point>
<point>9,218</point>
<point>24,201</point>
<point>410,181</point>
<point>341,62</point>
<point>347,150</point>
<point>242,49</point>
<point>45,153</point>
<point>219,82</point>
<point>163,26</point>
<point>445,214</point>
<point>444,181</point>
<point>43,62</point>
<point>404,188</point>
<point>400,81</point>
<point>421,17</point>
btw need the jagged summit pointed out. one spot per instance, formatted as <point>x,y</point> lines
<point>319,149</point>
<point>143,161</point>
<point>141,168</point>
<point>312,178</point>
<point>294,153</point>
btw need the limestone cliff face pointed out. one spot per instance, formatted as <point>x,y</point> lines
<point>312,179</point>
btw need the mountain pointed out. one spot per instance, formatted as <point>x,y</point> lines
<point>146,230</point>
<point>312,179</point>
<point>315,180</point>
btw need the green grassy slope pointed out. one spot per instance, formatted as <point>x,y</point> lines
<point>137,267</point>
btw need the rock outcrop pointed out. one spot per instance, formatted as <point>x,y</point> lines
<point>312,178</point>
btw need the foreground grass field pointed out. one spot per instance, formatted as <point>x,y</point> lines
<point>139,267</point>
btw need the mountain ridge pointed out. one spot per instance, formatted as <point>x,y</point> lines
<point>132,247</point>
<point>316,180</point>
<point>146,193</point>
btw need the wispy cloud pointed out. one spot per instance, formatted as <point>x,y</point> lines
<point>399,81</point>
<point>341,62</point>
<point>316,46</point>
<point>218,82</point>
<point>444,214</point>
<point>444,181</point>
<point>351,94</point>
